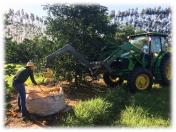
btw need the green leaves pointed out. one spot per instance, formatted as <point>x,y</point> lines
<point>35,50</point>
<point>87,27</point>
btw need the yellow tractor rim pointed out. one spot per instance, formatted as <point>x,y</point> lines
<point>142,82</point>
<point>168,70</point>
<point>113,79</point>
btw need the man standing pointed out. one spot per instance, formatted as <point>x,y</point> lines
<point>18,83</point>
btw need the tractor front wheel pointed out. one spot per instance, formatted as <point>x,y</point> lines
<point>141,79</point>
<point>111,80</point>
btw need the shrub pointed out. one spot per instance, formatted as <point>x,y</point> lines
<point>8,86</point>
<point>10,69</point>
<point>8,91</point>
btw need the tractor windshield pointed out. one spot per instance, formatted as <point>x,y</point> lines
<point>140,42</point>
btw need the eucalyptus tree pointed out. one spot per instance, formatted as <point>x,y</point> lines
<point>156,19</point>
<point>20,25</point>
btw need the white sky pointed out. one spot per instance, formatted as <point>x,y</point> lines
<point>37,9</point>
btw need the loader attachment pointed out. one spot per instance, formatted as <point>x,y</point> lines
<point>94,67</point>
<point>68,49</point>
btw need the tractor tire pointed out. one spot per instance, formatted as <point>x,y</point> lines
<point>141,79</point>
<point>165,69</point>
<point>111,80</point>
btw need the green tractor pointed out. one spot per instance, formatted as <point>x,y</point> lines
<point>141,61</point>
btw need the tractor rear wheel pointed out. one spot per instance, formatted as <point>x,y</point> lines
<point>165,68</point>
<point>141,79</point>
<point>111,80</point>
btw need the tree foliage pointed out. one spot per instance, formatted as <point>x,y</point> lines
<point>87,27</point>
<point>35,49</point>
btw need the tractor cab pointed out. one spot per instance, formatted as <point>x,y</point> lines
<point>149,43</point>
<point>155,57</point>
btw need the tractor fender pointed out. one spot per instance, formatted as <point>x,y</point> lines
<point>157,64</point>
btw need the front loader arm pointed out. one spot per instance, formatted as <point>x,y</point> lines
<point>68,49</point>
<point>92,66</point>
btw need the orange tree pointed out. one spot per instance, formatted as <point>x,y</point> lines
<point>88,27</point>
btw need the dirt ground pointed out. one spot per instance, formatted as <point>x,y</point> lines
<point>72,96</point>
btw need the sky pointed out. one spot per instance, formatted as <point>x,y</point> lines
<point>37,8</point>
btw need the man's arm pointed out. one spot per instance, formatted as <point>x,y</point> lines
<point>32,78</point>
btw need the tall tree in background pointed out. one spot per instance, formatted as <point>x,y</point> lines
<point>20,25</point>
<point>87,27</point>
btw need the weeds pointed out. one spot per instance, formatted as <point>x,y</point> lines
<point>89,113</point>
<point>136,116</point>
<point>122,109</point>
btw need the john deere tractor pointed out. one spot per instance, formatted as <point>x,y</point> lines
<point>141,61</point>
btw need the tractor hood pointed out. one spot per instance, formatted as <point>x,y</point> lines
<point>126,46</point>
<point>124,49</point>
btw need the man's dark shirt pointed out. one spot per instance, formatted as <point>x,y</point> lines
<point>23,74</point>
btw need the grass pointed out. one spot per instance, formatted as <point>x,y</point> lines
<point>146,109</point>
<point>143,109</point>
<point>116,107</point>
<point>89,113</point>
<point>136,116</point>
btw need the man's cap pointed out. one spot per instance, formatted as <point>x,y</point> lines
<point>30,63</point>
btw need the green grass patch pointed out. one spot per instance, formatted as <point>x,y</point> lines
<point>120,108</point>
<point>136,116</point>
<point>146,109</point>
<point>157,101</point>
<point>89,113</point>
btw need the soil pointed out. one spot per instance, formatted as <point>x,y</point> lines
<point>72,95</point>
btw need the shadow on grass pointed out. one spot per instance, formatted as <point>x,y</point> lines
<point>156,102</point>
<point>88,94</point>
